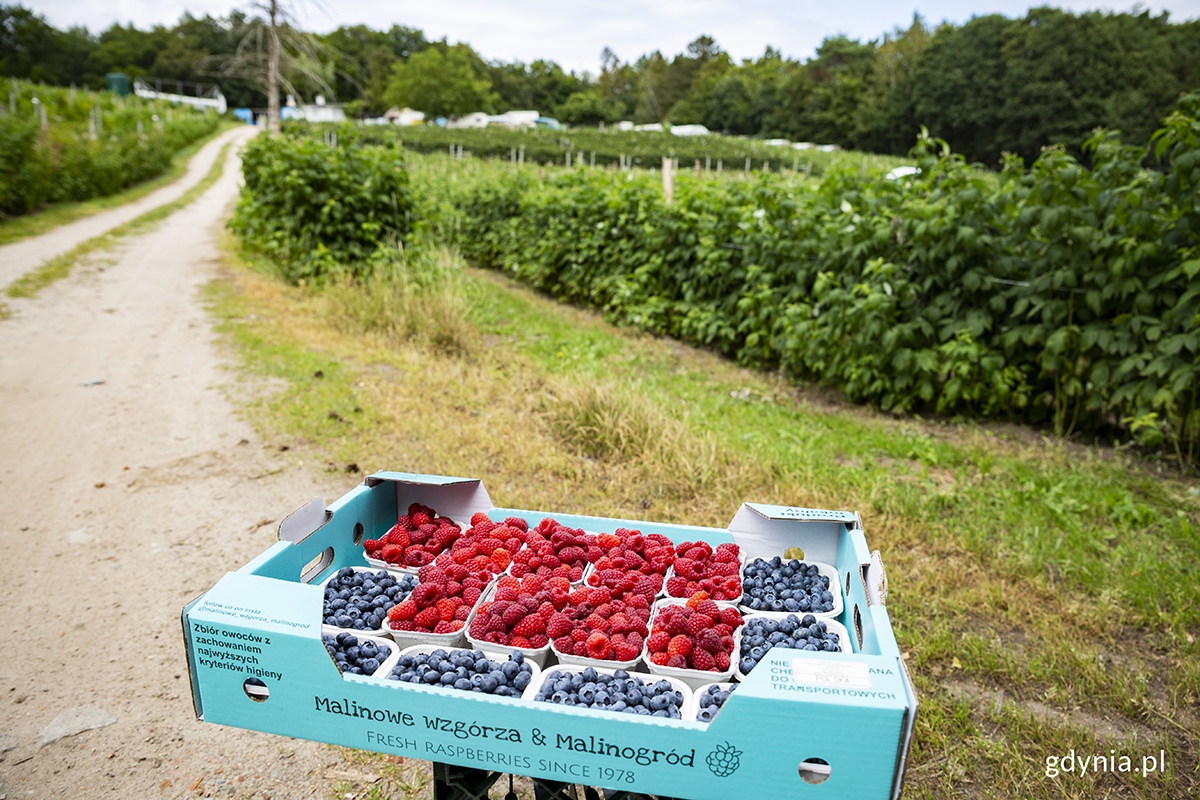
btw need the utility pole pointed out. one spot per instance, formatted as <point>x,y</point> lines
<point>273,75</point>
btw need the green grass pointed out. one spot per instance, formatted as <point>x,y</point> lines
<point>59,267</point>
<point>15,229</point>
<point>1060,575</point>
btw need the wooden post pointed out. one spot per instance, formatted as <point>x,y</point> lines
<point>593,158</point>
<point>697,169</point>
<point>708,165</point>
<point>718,166</point>
<point>747,163</point>
<point>766,166</point>
<point>668,176</point>
<point>521,156</point>
<point>451,150</point>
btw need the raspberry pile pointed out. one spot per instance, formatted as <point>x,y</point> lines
<point>628,557</point>
<point>762,634</point>
<point>416,538</point>
<point>791,586</point>
<point>595,625</point>
<point>617,692</point>
<point>518,612</point>
<point>698,568</point>
<point>466,670</point>
<point>696,635</point>
<point>362,600</point>
<point>711,702</point>
<point>353,657</point>
<point>442,600</point>
<point>490,545</point>
<point>554,550</point>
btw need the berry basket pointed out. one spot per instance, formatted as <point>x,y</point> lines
<point>425,649</point>
<point>823,569</point>
<point>456,639</point>
<point>692,677</point>
<point>382,642</point>
<point>538,656</point>
<point>666,594</point>
<point>693,712</point>
<point>365,631</point>
<point>681,687</point>
<point>830,624</point>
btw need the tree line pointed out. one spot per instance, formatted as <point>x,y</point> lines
<point>988,86</point>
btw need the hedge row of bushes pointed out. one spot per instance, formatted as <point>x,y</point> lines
<point>62,162</point>
<point>1050,294</point>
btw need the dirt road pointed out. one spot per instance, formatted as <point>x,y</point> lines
<point>20,257</point>
<point>131,486</point>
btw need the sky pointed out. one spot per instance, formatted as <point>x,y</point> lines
<point>574,33</point>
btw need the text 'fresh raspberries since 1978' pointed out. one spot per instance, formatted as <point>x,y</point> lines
<point>361,600</point>
<point>416,538</point>
<point>697,635</point>
<point>355,657</point>
<point>699,568</point>
<point>619,691</point>
<point>762,634</point>
<point>466,670</point>
<point>791,586</point>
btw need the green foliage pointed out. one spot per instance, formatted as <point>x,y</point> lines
<point>441,81</point>
<point>63,162</point>
<point>639,149</point>
<point>1055,294</point>
<point>320,210</point>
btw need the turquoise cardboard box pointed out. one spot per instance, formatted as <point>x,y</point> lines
<point>802,725</point>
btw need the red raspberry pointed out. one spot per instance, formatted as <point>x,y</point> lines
<point>462,613</point>
<point>722,660</point>
<point>478,517</point>
<point>597,645</point>
<point>470,595</point>
<point>564,644</point>
<point>676,586</point>
<point>520,641</point>
<point>731,617</point>
<point>446,626</point>
<point>514,614</point>
<point>657,642</point>
<point>708,608</point>
<point>427,619</point>
<point>703,660</point>
<point>529,626</point>
<point>596,622</point>
<point>445,609</point>
<point>709,640</point>
<point>679,646</point>
<point>403,625</point>
<point>625,652</point>
<point>516,522</point>
<point>405,609</point>
<point>579,635</point>
<point>538,640</point>
<point>696,599</point>
<point>659,659</point>
<point>698,623</point>
<point>677,662</point>
<point>558,626</point>
<point>392,553</point>
<point>420,518</point>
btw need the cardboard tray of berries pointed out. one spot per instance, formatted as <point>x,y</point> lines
<point>694,640</point>
<point>862,701</point>
<point>790,582</point>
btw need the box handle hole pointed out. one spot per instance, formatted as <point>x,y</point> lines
<point>358,533</point>
<point>315,567</point>
<point>858,626</point>
<point>256,690</point>
<point>847,595</point>
<point>815,770</point>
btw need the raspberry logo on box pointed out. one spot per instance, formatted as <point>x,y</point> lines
<point>724,761</point>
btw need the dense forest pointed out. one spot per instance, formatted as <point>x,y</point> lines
<point>988,86</point>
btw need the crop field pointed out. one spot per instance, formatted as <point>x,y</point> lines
<point>1043,585</point>
<point>66,145</point>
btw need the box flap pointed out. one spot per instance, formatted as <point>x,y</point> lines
<point>301,523</point>
<point>764,531</point>
<point>457,498</point>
